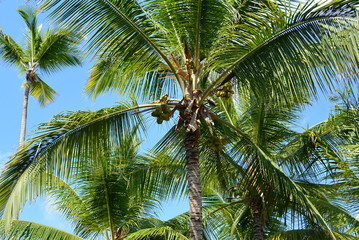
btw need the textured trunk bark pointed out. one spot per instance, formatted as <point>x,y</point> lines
<point>258,225</point>
<point>194,184</point>
<point>24,113</point>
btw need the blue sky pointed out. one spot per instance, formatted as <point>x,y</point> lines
<point>69,84</point>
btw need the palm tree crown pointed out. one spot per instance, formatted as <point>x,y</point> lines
<point>42,52</point>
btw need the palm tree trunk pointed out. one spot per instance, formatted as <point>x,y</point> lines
<point>194,184</point>
<point>24,113</point>
<point>257,222</point>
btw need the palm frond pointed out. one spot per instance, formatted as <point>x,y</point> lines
<point>29,14</point>
<point>308,234</point>
<point>194,22</point>
<point>55,148</point>
<point>276,176</point>
<point>166,232</point>
<point>33,34</point>
<point>10,51</point>
<point>106,75</point>
<point>57,50</point>
<point>297,54</point>
<point>119,31</point>
<point>21,230</point>
<point>42,92</point>
<point>161,169</point>
<point>338,217</point>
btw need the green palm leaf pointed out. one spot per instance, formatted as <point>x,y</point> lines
<point>166,232</point>
<point>296,52</point>
<point>277,176</point>
<point>308,234</point>
<point>21,230</point>
<point>42,92</point>
<point>137,46</point>
<point>48,151</point>
<point>10,51</point>
<point>57,50</point>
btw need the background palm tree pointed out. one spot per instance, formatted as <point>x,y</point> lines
<point>103,200</point>
<point>196,49</point>
<point>42,52</point>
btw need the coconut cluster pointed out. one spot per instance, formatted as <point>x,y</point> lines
<point>216,143</point>
<point>226,91</point>
<point>162,113</point>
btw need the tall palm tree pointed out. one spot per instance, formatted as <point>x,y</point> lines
<point>42,52</point>
<point>196,49</point>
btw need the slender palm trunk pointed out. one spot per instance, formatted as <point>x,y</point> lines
<point>194,184</point>
<point>24,113</point>
<point>258,226</point>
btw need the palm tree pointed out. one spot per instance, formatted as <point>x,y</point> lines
<point>104,200</point>
<point>263,183</point>
<point>46,52</point>
<point>288,174</point>
<point>205,48</point>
